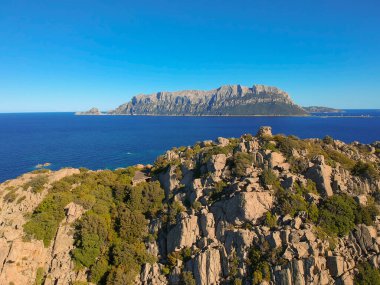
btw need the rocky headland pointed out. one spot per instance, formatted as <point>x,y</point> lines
<point>263,209</point>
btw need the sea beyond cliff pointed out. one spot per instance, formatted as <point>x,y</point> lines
<point>98,142</point>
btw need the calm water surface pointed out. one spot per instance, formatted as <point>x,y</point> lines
<point>96,142</point>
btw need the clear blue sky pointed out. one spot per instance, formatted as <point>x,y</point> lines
<point>73,54</point>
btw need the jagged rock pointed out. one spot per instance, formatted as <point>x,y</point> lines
<point>207,223</point>
<point>276,159</point>
<point>151,275</point>
<point>217,163</point>
<point>363,235</point>
<point>335,265</point>
<point>320,173</point>
<point>207,268</point>
<point>222,141</point>
<point>244,207</point>
<point>264,131</point>
<point>362,200</point>
<point>184,234</point>
<point>168,180</point>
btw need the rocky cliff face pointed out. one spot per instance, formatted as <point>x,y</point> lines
<point>226,100</point>
<point>254,210</point>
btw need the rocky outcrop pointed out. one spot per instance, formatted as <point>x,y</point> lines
<point>20,259</point>
<point>235,211</point>
<point>225,100</point>
<point>320,173</point>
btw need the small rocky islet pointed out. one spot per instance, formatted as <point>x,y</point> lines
<point>263,209</point>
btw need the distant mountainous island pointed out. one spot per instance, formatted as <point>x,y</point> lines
<point>227,100</point>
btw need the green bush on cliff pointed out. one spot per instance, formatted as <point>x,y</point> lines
<point>337,215</point>
<point>366,170</point>
<point>368,275</point>
<point>257,260</point>
<point>242,161</point>
<point>47,216</point>
<point>109,236</point>
<point>37,183</point>
<point>268,177</point>
<point>208,153</point>
<point>187,278</point>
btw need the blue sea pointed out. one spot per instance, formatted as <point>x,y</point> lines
<point>99,142</point>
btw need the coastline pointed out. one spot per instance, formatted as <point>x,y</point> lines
<point>281,116</point>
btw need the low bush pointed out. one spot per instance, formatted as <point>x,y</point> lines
<point>337,215</point>
<point>10,197</point>
<point>366,170</point>
<point>368,275</point>
<point>268,177</point>
<point>187,278</point>
<point>37,183</point>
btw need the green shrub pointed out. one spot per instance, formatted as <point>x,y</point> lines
<point>337,215</point>
<point>270,146</point>
<point>187,278</point>
<point>336,156</point>
<point>257,259</point>
<point>40,171</point>
<point>10,197</point>
<point>37,183</point>
<point>39,276</point>
<point>241,162</point>
<point>268,177</point>
<point>46,217</point>
<point>174,210</point>
<point>328,140</point>
<point>286,145</point>
<point>19,200</point>
<point>91,234</point>
<point>366,170</point>
<point>368,275</point>
<point>146,197</point>
<point>366,214</point>
<point>208,153</point>
<point>290,203</point>
<point>196,206</point>
<point>99,270</point>
<point>218,191</point>
<point>270,220</point>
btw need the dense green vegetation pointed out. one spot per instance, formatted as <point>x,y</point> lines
<point>110,235</point>
<point>259,261</point>
<point>339,214</point>
<point>368,275</point>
